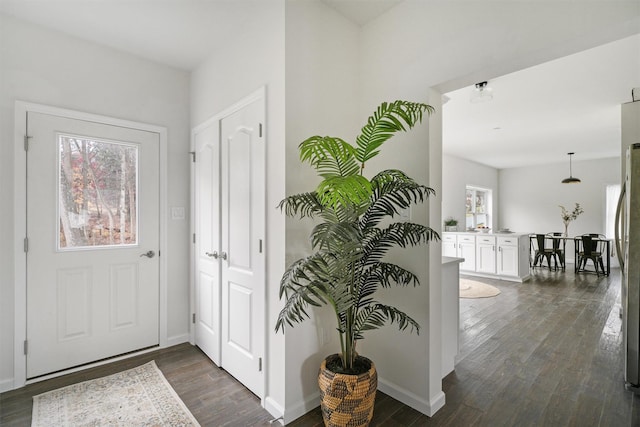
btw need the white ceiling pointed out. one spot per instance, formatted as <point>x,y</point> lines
<point>539,114</point>
<point>571,104</point>
<point>178,33</point>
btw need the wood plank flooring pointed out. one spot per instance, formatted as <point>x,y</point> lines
<point>542,353</point>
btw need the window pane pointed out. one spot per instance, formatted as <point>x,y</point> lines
<point>97,198</point>
<point>480,202</point>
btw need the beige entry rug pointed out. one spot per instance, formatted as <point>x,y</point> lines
<point>138,397</point>
<point>472,289</point>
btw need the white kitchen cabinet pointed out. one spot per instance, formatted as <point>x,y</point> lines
<point>467,250</point>
<point>507,256</point>
<point>495,255</point>
<point>486,254</point>
<point>449,245</point>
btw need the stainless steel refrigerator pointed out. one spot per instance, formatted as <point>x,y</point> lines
<point>628,250</point>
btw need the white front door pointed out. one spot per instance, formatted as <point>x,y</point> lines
<point>230,216</point>
<point>93,238</point>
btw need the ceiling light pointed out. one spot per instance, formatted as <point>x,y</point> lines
<point>482,93</point>
<point>571,179</point>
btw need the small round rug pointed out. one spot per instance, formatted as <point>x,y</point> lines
<point>473,289</point>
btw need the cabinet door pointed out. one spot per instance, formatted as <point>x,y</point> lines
<point>486,258</point>
<point>486,254</point>
<point>508,260</point>
<point>449,245</point>
<point>467,251</point>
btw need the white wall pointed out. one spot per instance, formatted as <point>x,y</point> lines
<point>251,60</point>
<point>457,173</point>
<point>50,68</point>
<point>530,196</point>
<point>322,53</point>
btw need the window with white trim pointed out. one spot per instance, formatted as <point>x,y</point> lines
<point>478,207</point>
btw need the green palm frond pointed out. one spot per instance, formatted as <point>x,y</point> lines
<point>385,274</point>
<point>388,119</point>
<point>335,236</point>
<point>392,191</point>
<point>376,315</point>
<point>331,157</point>
<point>351,191</point>
<point>317,268</point>
<point>305,205</point>
<point>402,234</point>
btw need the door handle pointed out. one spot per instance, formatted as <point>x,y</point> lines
<point>619,234</point>
<point>213,255</point>
<point>223,255</point>
<point>149,254</point>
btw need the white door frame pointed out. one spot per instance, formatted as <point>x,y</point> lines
<point>260,93</point>
<point>20,224</point>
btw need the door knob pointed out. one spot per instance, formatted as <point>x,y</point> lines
<point>149,254</point>
<point>223,255</point>
<point>213,255</point>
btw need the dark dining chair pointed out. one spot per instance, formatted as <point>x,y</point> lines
<point>591,249</point>
<point>559,246</point>
<point>542,252</point>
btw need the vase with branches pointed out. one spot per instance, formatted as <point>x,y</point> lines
<point>568,216</point>
<point>353,236</point>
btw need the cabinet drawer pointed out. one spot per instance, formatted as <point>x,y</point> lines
<point>488,239</point>
<point>507,241</point>
<point>467,239</point>
<point>449,238</point>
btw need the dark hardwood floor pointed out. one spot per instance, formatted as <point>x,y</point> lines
<point>542,353</point>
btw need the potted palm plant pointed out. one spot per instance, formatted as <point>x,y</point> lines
<point>349,244</point>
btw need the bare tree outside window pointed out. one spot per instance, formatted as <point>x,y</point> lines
<point>97,197</point>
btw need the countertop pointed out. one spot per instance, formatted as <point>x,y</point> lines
<point>450,260</point>
<point>496,233</point>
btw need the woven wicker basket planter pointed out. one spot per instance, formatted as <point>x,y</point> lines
<point>347,400</point>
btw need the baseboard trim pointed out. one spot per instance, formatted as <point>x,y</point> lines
<point>6,385</point>
<point>411,399</point>
<point>299,409</point>
<point>177,339</point>
<point>274,408</point>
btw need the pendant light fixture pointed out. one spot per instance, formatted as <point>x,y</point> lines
<point>571,179</point>
<point>482,93</point>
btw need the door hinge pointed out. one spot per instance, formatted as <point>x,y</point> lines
<point>26,142</point>
<point>260,130</point>
<point>194,237</point>
<point>193,156</point>
<point>193,318</point>
<point>260,364</point>
<point>26,244</point>
<point>260,246</point>
<point>26,347</point>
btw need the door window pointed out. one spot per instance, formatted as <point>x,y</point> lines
<point>97,193</point>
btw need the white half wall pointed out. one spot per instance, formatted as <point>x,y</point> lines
<point>50,68</point>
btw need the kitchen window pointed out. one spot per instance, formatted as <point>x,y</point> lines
<point>478,207</point>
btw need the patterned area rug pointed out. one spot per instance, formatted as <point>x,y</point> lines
<point>138,397</point>
<point>472,289</point>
